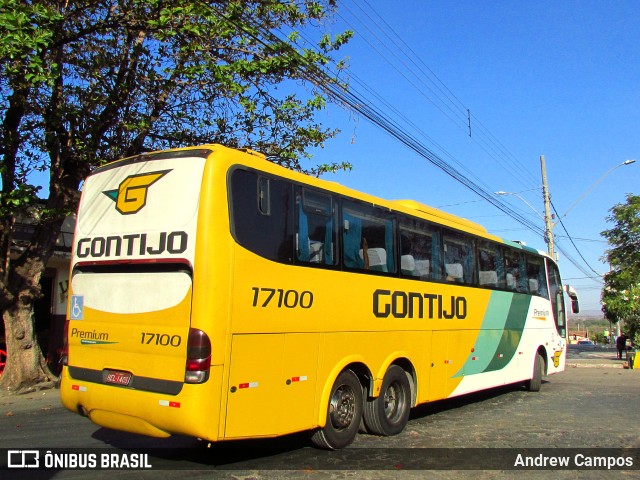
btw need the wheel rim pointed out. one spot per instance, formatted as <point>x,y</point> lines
<point>392,401</point>
<point>342,407</point>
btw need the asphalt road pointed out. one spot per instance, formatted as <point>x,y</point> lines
<point>589,408</point>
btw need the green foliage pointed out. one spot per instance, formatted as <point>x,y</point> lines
<point>621,293</point>
<point>599,338</point>
<point>83,83</point>
<point>26,30</point>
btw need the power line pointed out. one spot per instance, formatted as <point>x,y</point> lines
<point>367,108</point>
<point>574,245</point>
<point>444,99</point>
<point>588,240</point>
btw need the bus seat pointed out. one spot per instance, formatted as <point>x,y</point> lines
<point>377,259</point>
<point>488,277</point>
<point>533,285</point>
<point>315,251</point>
<point>408,265</point>
<point>454,271</point>
<point>422,268</point>
<point>511,281</point>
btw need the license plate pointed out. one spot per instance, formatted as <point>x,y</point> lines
<point>118,378</point>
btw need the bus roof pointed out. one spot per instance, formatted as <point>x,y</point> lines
<point>421,207</point>
<point>406,205</point>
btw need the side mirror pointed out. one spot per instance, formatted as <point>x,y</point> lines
<point>573,295</point>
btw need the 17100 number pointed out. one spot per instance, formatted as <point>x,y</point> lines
<point>160,339</point>
<point>283,298</point>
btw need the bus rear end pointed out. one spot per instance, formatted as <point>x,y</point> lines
<point>134,361</point>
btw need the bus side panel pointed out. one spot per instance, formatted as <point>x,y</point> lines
<point>438,371</point>
<point>515,328</point>
<point>275,373</point>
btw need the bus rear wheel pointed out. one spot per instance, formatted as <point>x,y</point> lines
<point>344,413</point>
<point>535,383</point>
<point>389,412</point>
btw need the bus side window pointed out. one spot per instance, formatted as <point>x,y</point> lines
<point>419,245</point>
<point>315,235</point>
<point>262,209</point>
<point>368,238</point>
<point>490,268</point>
<point>536,281</point>
<point>514,270</point>
<point>459,264</point>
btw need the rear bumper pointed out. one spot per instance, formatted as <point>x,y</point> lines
<point>195,411</point>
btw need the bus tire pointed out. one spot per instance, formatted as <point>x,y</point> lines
<point>388,413</point>
<point>344,413</point>
<point>535,383</point>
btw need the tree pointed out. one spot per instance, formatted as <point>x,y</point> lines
<point>84,83</point>
<point>621,293</point>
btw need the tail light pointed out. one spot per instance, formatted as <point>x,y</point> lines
<point>198,357</point>
<point>64,355</point>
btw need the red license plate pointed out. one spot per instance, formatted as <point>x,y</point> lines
<point>118,378</point>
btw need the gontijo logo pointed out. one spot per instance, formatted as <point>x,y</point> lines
<point>556,358</point>
<point>131,195</point>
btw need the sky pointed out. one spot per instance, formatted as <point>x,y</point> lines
<point>553,78</point>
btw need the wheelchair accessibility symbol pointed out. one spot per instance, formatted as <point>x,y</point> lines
<point>77,307</point>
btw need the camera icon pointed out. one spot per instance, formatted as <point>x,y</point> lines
<point>23,459</point>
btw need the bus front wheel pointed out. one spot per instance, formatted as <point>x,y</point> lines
<point>344,413</point>
<point>389,412</point>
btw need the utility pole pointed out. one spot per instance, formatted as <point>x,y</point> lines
<point>548,221</point>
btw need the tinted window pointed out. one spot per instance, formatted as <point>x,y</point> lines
<point>316,228</point>
<point>490,265</point>
<point>262,210</point>
<point>536,281</point>
<point>459,261</point>
<point>368,238</point>
<point>419,250</point>
<point>514,270</point>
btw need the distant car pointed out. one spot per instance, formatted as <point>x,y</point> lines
<point>586,343</point>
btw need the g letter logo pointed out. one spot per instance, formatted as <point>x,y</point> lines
<point>131,195</point>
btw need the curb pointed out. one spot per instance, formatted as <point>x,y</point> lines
<point>587,364</point>
<point>594,365</point>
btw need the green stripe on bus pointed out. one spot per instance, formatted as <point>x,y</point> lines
<point>512,332</point>
<point>499,334</point>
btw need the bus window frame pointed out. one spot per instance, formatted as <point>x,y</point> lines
<point>490,247</point>
<point>419,227</point>
<point>362,211</point>
<point>304,207</point>
<point>467,243</point>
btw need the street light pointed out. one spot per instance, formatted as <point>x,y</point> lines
<point>503,193</point>
<point>547,218</point>
<point>546,235</point>
<point>626,162</point>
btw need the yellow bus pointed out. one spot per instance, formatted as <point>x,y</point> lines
<point>218,295</point>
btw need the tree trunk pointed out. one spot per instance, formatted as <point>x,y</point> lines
<point>26,368</point>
